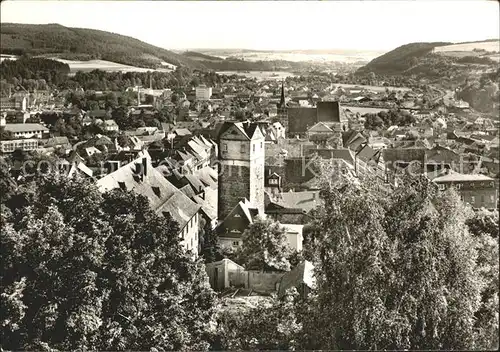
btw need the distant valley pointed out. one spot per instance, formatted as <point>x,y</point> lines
<point>318,56</point>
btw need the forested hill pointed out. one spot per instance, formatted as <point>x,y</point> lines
<point>85,44</point>
<point>400,59</point>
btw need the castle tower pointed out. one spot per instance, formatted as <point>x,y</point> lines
<point>241,173</point>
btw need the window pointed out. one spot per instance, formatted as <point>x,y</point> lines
<point>235,243</point>
<point>253,147</point>
<point>242,147</point>
<point>458,186</point>
<point>441,187</point>
<point>472,199</point>
<point>273,181</point>
<point>260,145</point>
<point>492,199</point>
<point>224,147</point>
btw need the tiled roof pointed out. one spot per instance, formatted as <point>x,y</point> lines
<point>162,195</point>
<point>300,118</point>
<point>209,210</point>
<point>188,191</point>
<point>344,154</point>
<point>25,127</point>
<point>366,153</point>
<point>55,141</point>
<point>329,111</point>
<point>208,176</point>
<point>306,200</point>
<point>320,127</point>
<point>452,176</point>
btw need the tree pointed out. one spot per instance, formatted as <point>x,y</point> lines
<point>211,250</point>
<point>121,117</point>
<point>85,270</point>
<point>394,272</point>
<point>7,182</point>
<point>484,227</point>
<point>269,326</point>
<point>5,135</point>
<point>264,246</point>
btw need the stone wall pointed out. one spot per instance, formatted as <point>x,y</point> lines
<point>234,185</point>
<point>226,273</point>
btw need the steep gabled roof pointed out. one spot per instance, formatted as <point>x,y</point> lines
<point>300,118</point>
<point>163,196</point>
<point>206,207</point>
<point>329,111</point>
<point>452,176</point>
<point>320,127</point>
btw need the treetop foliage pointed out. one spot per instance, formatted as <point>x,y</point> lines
<point>85,270</point>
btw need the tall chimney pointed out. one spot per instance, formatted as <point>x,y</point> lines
<point>145,166</point>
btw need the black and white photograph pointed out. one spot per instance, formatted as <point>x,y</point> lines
<point>249,175</point>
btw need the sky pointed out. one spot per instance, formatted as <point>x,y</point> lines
<point>271,25</point>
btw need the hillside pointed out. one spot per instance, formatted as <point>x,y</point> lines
<point>236,64</point>
<point>400,59</point>
<point>199,56</point>
<point>445,64</point>
<point>85,44</point>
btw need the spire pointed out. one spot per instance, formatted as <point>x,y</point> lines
<point>282,100</point>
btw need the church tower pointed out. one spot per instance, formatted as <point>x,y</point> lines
<point>282,99</point>
<point>241,173</point>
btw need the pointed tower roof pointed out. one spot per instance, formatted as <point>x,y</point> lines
<point>282,100</point>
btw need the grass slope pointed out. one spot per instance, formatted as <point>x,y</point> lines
<point>85,44</point>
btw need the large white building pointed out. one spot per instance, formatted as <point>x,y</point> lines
<point>26,130</point>
<point>203,92</point>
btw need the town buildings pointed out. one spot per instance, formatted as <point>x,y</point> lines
<point>478,190</point>
<point>141,177</point>
<point>26,130</point>
<point>203,92</point>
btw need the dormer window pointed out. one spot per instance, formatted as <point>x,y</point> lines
<point>157,191</point>
<point>122,185</point>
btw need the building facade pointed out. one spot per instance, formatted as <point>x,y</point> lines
<point>26,130</point>
<point>203,92</point>
<point>8,146</point>
<point>479,191</point>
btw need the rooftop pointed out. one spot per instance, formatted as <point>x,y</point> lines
<point>25,127</point>
<point>451,176</point>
